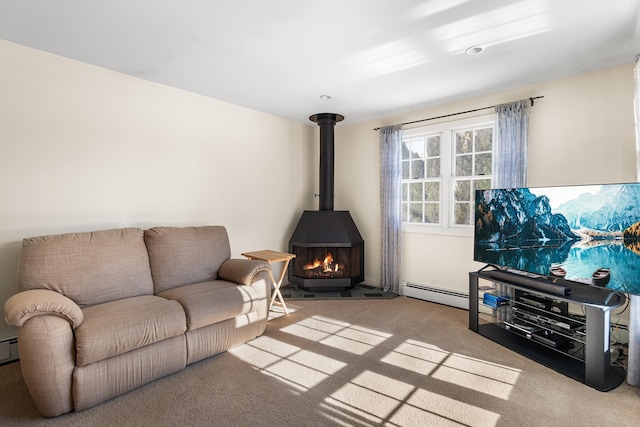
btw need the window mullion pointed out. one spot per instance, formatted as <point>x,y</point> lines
<point>445,177</point>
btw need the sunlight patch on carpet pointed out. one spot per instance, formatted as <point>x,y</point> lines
<point>471,373</point>
<point>424,403</point>
<point>374,398</point>
<point>301,369</point>
<point>479,375</point>
<point>319,362</point>
<point>371,396</point>
<point>416,356</point>
<point>255,356</point>
<point>346,344</point>
<point>299,376</point>
<point>337,334</point>
<point>274,346</point>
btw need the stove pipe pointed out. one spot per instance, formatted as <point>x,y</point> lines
<point>327,122</point>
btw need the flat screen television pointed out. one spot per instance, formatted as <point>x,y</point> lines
<point>589,234</point>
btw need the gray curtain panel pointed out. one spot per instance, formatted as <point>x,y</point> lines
<point>633,363</point>
<point>636,103</point>
<point>390,200</point>
<point>510,149</point>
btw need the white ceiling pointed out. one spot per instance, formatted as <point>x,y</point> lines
<point>375,58</point>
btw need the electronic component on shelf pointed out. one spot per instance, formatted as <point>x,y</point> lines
<point>548,318</point>
<point>551,339</point>
<point>543,303</point>
<point>521,328</point>
<point>556,286</point>
<point>535,301</point>
<point>494,301</point>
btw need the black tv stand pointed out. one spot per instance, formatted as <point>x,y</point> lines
<point>568,333</point>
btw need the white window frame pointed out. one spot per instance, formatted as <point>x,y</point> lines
<point>447,156</point>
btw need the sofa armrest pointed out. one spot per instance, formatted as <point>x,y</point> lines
<point>242,271</point>
<point>38,302</point>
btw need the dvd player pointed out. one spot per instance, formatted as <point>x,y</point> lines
<point>548,318</point>
<point>551,339</point>
<point>521,329</point>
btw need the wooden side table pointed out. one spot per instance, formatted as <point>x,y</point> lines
<point>273,256</point>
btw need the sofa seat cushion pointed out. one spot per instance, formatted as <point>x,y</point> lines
<point>210,302</point>
<point>117,327</point>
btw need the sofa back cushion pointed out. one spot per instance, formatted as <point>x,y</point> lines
<point>183,256</point>
<point>89,268</point>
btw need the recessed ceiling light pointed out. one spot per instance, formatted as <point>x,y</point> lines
<point>474,50</point>
<point>325,97</point>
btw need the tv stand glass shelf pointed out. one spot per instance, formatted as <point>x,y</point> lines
<point>568,333</point>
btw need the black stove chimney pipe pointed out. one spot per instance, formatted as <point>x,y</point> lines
<point>327,122</point>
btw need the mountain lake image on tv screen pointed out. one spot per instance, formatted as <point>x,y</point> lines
<point>589,234</point>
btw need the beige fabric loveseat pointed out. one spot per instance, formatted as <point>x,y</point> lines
<point>101,313</point>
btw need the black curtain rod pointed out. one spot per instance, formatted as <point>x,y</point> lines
<point>457,114</point>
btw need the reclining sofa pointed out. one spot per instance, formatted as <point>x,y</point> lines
<point>102,313</point>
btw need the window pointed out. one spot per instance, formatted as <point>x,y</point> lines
<point>442,166</point>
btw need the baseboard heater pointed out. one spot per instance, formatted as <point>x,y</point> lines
<point>8,350</point>
<point>441,296</point>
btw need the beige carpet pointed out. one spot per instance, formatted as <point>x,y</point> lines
<point>396,362</point>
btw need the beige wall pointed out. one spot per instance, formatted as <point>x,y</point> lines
<point>82,148</point>
<point>582,132</point>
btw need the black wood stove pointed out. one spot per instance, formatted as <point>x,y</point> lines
<point>328,246</point>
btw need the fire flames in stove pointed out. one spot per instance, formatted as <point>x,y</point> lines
<point>323,269</point>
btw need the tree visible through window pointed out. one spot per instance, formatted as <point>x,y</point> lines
<point>442,166</point>
<point>421,179</point>
<point>473,165</point>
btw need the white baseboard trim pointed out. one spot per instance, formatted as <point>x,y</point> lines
<point>8,350</point>
<point>441,296</point>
